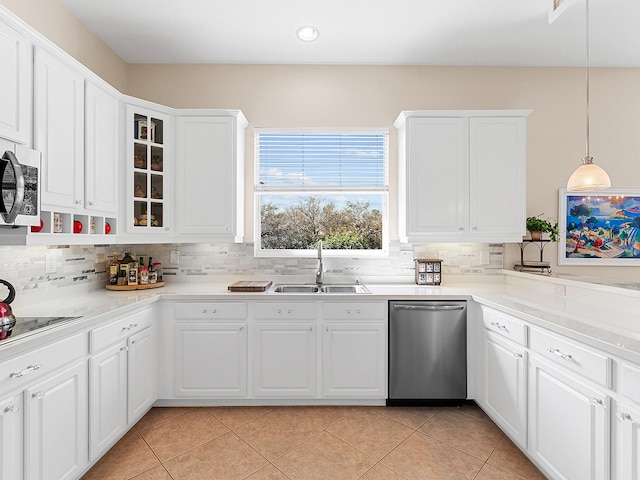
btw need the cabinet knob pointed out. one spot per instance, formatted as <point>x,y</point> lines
<point>597,401</point>
<point>517,355</point>
<point>242,329</point>
<point>11,409</point>
<point>475,228</point>
<point>461,229</point>
<point>37,395</point>
<point>92,203</point>
<point>78,202</point>
<point>311,329</point>
<point>624,416</point>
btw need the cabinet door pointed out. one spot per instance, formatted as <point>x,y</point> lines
<point>141,374</point>
<point>506,386</point>
<point>59,130</point>
<point>11,436</point>
<point>56,426</point>
<point>436,177</point>
<point>497,162</point>
<point>569,425</point>
<point>354,360</point>
<point>107,398</point>
<point>628,442</point>
<point>284,363</point>
<point>148,171</point>
<point>211,359</point>
<point>15,84</point>
<point>102,133</point>
<point>206,179</point>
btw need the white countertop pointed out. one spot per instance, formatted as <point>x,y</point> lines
<point>602,316</point>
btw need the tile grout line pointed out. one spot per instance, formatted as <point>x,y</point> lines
<point>154,454</point>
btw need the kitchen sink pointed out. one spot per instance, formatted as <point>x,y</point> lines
<point>307,288</point>
<point>344,289</point>
<point>279,288</point>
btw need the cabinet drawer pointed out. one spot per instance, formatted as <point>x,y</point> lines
<point>120,329</point>
<point>355,310</point>
<point>15,372</point>
<point>588,362</point>
<point>505,325</point>
<point>211,310</point>
<point>631,382</point>
<point>287,311</point>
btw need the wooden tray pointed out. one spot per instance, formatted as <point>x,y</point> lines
<point>134,287</point>
<point>250,286</point>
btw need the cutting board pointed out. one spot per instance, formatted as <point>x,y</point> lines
<point>250,286</point>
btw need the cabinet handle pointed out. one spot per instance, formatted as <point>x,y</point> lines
<point>475,228</point>
<point>30,368</point>
<point>11,409</point>
<point>131,326</point>
<point>92,203</point>
<point>499,326</point>
<point>597,401</point>
<point>204,311</point>
<point>461,229</point>
<point>78,202</point>
<point>242,329</point>
<point>517,355</point>
<point>37,395</point>
<point>564,356</point>
<point>311,329</point>
<point>125,348</point>
<point>622,416</point>
<point>326,329</point>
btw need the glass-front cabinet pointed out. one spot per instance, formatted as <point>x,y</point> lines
<point>148,182</point>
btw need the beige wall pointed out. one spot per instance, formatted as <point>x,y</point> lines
<point>56,23</point>
<point>320,96</point>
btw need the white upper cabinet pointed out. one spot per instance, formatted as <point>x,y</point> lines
<point>209,177</point>
<point>59,130</point>
<point>16,65</point>
<point>102,134</point>
<point>461,176</point>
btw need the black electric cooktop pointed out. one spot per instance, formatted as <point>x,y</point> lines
<point>26,325</point>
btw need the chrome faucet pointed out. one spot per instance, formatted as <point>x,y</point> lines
<point>320,269</point>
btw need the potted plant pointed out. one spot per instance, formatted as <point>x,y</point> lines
<point>537,226</point>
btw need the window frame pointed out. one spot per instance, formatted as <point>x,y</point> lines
<point>259,191</point>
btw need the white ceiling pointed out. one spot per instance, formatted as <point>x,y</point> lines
<point>365,32</point>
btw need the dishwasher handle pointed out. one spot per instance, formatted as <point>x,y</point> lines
<point>432,308</point>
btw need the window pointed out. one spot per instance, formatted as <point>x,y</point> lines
<point>321,185</point>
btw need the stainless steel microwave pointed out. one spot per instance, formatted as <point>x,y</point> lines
<point>19,185</point>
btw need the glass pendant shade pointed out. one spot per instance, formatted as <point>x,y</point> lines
<point>588,176</point>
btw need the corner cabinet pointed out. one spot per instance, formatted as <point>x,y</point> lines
<point>462,175</point>
<point>210,177</point>
<point>148,170</point>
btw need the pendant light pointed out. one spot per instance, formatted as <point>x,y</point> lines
<point>588,176</point>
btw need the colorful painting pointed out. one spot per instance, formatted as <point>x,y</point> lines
<point>599,228</point>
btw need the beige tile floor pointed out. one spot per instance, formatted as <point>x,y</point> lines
<point>309,443</point>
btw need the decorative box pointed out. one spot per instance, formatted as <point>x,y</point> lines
<point>428,271</point>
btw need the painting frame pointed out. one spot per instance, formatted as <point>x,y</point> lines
<point>556,8</point>
<point>606,232</point>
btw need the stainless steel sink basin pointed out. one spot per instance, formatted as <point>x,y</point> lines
<point>344,289</point>
<point>279,288</point>
<point>307,288</point>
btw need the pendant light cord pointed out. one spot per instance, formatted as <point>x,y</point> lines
<point>588,157</point>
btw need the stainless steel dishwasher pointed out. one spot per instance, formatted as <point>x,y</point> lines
<point>427,352</point>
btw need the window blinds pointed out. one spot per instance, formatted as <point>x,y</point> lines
<point>322,161</point>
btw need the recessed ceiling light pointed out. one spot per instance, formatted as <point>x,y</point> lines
<point>307,34</point>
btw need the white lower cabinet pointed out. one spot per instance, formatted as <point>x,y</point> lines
<point>284,362</point>
<point>628,442</point>
<point>354,349</point>
<point>108,397</point>
<point>211,359</point>
<point>505,386</point>
<point>141,374</point>
<point>353,360</point>
<point>122,377</point>
<point>56,426</point>
<point>569,424</point>
<point>11,437</point>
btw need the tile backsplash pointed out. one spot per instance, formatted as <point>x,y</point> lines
<point>24,267</point>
